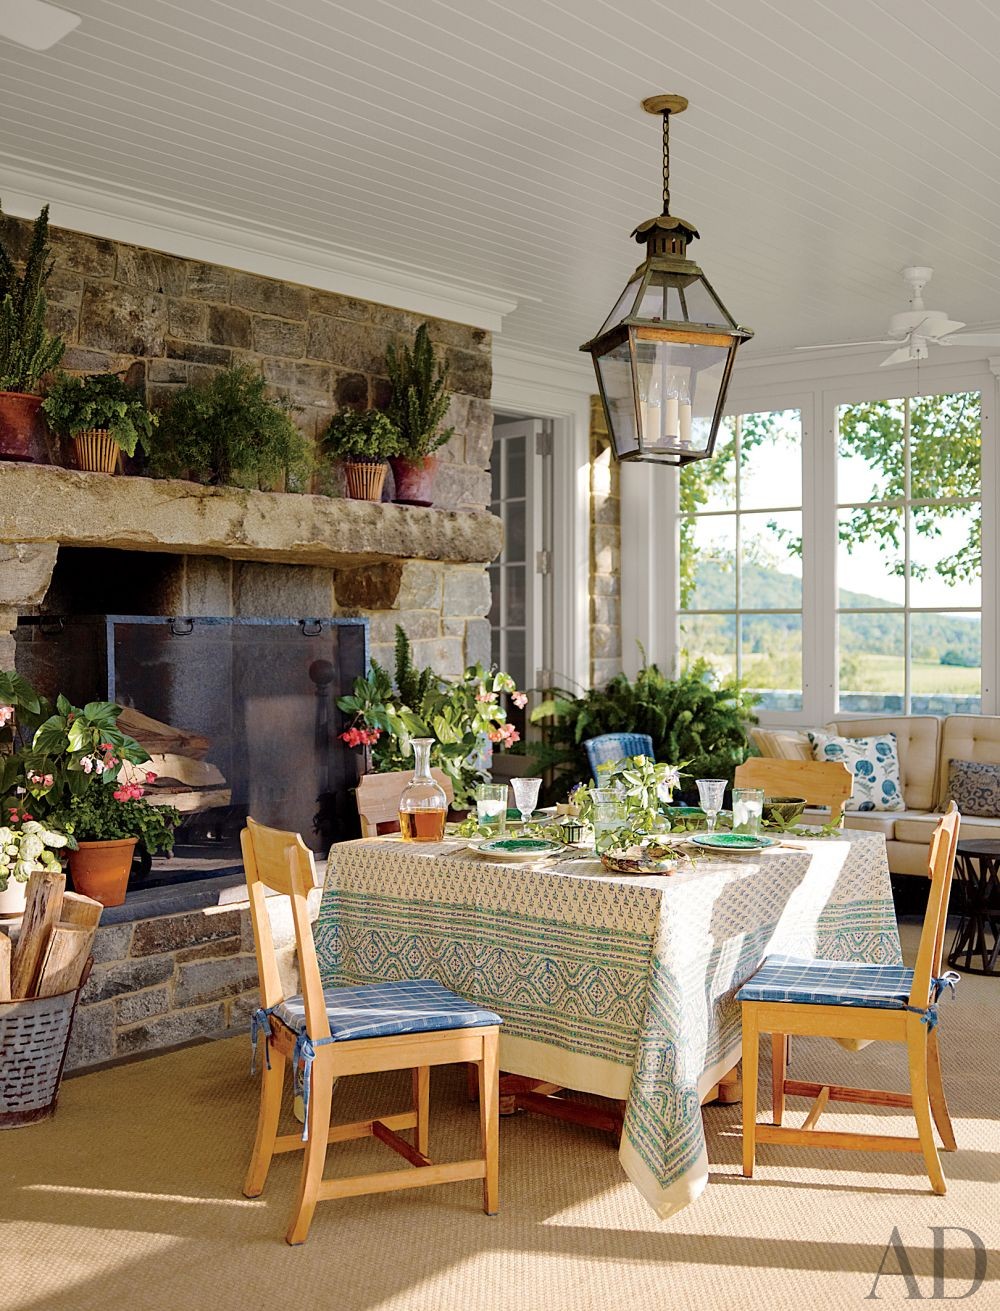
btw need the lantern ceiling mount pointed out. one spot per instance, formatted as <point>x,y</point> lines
<point>665,353</point>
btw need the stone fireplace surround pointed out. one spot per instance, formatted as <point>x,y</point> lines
<point>177,963</point>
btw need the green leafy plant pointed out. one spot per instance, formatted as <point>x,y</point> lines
<point>420,397</point>
<point>360,436</point>
<point>462,715</point>
<point>27,349</point>
<point>71,767</point>
<point>698,718</point>
<point>100,400</point>
<point>226,429</point>
<point>28,848</point>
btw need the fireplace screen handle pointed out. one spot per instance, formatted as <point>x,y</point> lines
<point>182,627</point>
<point>311,627</point>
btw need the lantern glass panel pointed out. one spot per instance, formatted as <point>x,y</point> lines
<point>623,306</point>
<point>680,298</point>
<point>614,370</point>
<point>678,385</point>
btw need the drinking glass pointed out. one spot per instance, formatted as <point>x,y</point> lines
<point>710,793</point>
<point>608,816</point>
<point>491,808</point>
<point>526,792</point>
<point>748,805</point>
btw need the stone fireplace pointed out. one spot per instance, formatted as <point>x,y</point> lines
<point>179,965</point>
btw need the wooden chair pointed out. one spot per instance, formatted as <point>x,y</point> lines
<point>861,1001</point>
<point>378,799</point>
<point>820,782</point>
<point>393,1026</point>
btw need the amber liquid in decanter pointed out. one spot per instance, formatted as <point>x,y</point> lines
<point>422,825</point>
<point>423,805</point>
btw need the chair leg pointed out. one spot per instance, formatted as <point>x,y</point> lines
<point>751,1055</point>
<point>779,1070</point>
<point>916,1047</point>
<point>314,1155</point>
<point>271,1086</point>
<point>939,1106</point>
<point>422,1105</point>
<point>472,1081</point>
<point>489,1121</point>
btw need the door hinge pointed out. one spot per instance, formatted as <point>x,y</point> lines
<point>543,562</point>
<point>543,443</point>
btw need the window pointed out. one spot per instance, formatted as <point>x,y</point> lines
<point>909,586</point>
<point>741,556</point>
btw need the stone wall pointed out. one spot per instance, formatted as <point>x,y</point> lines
<point>605,554</point>
<point>161,981</point>
<point>167,321</point>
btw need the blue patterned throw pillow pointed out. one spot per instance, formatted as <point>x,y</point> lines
<point>873,762</point>
<point>974,786</point>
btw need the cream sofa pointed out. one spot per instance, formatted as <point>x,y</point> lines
<point>925,745</point>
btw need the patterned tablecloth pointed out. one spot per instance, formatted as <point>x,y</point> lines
<point>611,985</point>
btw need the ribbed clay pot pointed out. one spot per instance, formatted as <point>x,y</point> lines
<point>18,415</point>
<point>365,481</point>
<point>414,479</point>
<point>96,451</point>
<point>101,869</point>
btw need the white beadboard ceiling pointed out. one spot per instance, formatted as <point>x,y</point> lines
<point>500,144</point>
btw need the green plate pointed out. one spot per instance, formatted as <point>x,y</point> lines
<point>732,841</point>
<point>518,848</point>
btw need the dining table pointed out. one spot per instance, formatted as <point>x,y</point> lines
<point>622,986</point>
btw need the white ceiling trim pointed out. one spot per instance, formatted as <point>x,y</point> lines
<point>101,213</point>
<point>544,384</point>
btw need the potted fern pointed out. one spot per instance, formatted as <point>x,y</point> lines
<point>227,430</point>
<point>102,414</point>
<point>27,349</point>
<point>418,402</point>
<point>362,440</point>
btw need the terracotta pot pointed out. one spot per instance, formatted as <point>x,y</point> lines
<point>101,869</point>
<point>18,415</point>
<point>365,481</point>
<point>96,451</point>
<point>13,897</point>
<point>414,479</point>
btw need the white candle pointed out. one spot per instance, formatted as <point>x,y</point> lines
<point>685,423</point>
<point>670,421</point>
<point>650,421</point>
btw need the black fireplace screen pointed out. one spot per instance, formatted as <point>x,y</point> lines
<point>255,700</point>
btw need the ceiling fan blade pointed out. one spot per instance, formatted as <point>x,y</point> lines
<point>839,345</point>
<point>971,339</point>
<point>897,357</point>
<point>945,328</point>
<point>34,23</point>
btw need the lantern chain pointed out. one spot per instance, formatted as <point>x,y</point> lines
<point>666,162</point>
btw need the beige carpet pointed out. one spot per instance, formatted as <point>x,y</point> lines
<point>130,1198</point>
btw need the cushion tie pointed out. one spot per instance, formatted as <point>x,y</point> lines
<point>930,1016</point>
<point>305,1052</point>
<point>259,1024</point>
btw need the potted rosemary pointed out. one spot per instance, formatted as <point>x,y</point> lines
<point>362,440</point>
<point>417,406</point>
<point>27,349</point>
<point>102,414</point>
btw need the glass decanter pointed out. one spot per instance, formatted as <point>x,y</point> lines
<point>423,805</point>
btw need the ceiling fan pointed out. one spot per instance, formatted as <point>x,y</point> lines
<point>34,23</point>
<point>912,331</point>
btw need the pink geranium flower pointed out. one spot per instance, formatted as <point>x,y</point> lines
<point>520,699</point>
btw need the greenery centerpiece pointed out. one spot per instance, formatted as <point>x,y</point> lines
<point>227,430</point>
<point>461,715</point>
<point>27,349</point>
<point>103,415</point>
<point>362,440</point>
<point>72,769</point>
<point>418,403</point>
<point>697,717</point>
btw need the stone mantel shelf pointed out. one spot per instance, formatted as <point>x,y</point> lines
<point>44,503</point>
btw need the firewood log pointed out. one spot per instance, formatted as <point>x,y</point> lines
<point>41,911</point>
<point>158,737</point>
<point>66,955</point>
<point>78,909</point>
<point>5,950</point>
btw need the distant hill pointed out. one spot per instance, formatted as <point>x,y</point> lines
<point>934,637</point>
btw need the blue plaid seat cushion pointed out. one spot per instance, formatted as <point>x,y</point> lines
<point>828,983</point>
<point>379,1010</point>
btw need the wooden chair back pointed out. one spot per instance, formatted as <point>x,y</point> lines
<point>820,782</point>
<point>940,868</point>
<point>281,861</point>
<point>378,799</point>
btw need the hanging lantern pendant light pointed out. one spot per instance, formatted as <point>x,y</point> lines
<point>665,353</point>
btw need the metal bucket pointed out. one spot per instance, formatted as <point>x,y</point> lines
<point>34,1036</point>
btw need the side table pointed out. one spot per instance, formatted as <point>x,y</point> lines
<point>977,867</point>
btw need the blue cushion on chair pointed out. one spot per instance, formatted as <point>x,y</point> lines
<point>378,1010</point>
<point>829,983</point>
<point>609,748</point>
